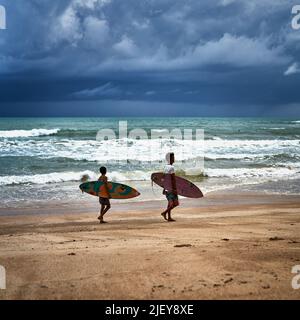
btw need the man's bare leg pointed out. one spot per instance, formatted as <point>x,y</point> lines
<point>172,206</point>
<point>164,214</point>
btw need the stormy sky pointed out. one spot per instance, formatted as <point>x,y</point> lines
<point>149,57</point>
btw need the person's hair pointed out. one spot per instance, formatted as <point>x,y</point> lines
<point>169,155</point>
<point>102,170</point>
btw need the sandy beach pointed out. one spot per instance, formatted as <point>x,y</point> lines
<point>234,250</point>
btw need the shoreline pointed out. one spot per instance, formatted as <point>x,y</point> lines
<point>230,199</point>
<point>218,250</point>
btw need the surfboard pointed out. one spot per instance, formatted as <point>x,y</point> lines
<point>184,187</point>
<point>116,190</point>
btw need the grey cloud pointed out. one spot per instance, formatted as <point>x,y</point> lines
<point>95,35</point>
<point>292,69</point>
<point>87,49</point>
<point>105,90</point>
<point>150,93</point>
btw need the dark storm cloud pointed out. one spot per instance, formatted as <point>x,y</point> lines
<point>231,52</point>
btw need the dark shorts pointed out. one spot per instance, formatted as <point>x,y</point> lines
<point>104,201</point>
<point>171,196</point>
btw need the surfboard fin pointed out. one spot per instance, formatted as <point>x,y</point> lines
<point>152,186</point>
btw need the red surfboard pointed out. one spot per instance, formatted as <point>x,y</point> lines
<point>184,187</point>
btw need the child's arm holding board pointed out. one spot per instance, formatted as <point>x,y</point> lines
<point>106,187</point>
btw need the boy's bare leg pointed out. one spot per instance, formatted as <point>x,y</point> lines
<point>101,213</point>
<point>105,209</point>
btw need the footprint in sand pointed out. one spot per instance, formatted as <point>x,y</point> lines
<point>266,286</point>
<point>275,238</point>
<point>228,280</point>
<point>182,245</point>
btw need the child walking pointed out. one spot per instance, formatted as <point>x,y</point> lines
<point>104,200</point>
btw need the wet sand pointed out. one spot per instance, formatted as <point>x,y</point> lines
<point>233,247</point>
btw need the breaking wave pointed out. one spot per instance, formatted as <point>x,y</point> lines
<point>27,133</point>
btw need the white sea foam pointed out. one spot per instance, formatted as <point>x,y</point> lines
<point>240,144</point>
<point>54,177</point>
<point>59,177</point>
<point>91,150</point>
<point>138,175</point>
<point>160,130</point>
<point>273,173</point>
<point>27,133</point>
<point>280,128</point>
<point>234,156</point>
<point>147,150</point>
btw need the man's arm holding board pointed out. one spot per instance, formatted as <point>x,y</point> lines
<point>173,181</point>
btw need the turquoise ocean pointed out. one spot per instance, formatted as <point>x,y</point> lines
<point>44,159</point>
